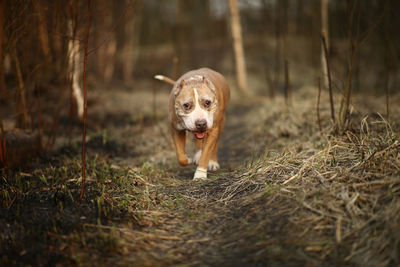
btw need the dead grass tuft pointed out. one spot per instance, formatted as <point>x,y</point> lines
<point>345,188</point>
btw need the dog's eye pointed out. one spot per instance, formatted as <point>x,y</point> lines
<point>207,103</point>
<point>187,106</point>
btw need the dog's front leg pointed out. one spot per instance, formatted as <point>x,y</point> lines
<point>179,141</point>
<point>208,147</point>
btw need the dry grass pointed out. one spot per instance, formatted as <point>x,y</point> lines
<point>343,191</point>
<point>287,194</point>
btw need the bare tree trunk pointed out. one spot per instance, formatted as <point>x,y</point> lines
<point>387,91</point>
<point>388,56</point>
<point>74,67</point>
<point>285,50</point>
<point>325,32</point>
<point>42,31</point>
<point>267,65</point>
<point>325,50</point>
<point>318,101</point>
<point>314,39</point>
<point>22,116</point>
<point>277,46</point>
<point>299,15</point>
<point>2,83</point>
<point>2,143</point>
<point>179,35</point>
<point>130,47</point>
<point>270,83</point>
<point>175,72</point>
<point>111,49</point>
<point>106,54</point>
<point>85,55</point>
<point>238,46</point>
<point>56,41</point>
<point>287,83</point>
<point>354,43</point>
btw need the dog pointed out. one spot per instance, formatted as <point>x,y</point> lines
<point>197,104</point>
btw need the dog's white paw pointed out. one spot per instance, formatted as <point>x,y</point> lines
<point>213,165</point>
<point>200,174</point>
<point>196,157</point>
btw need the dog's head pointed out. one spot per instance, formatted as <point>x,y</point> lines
<point>195,104</point>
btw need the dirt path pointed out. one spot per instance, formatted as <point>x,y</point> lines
<point>207,220</point>
<point>230,227</point>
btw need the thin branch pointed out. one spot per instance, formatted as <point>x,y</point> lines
<point>21,93</point>
<point>318,101</point>
<point>175,72</point>
<point>2,82</point>
<point>287,82</point>
<point>85,100</point>
<point>39,119</point>
<point>2,143</point>
<point>387,95</point>
<point>354,42</point>
<point>329,75</point>
<point>53,131</point>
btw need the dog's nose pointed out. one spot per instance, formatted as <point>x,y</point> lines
<point>201,125</point>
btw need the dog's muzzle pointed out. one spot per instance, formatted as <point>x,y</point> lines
<point>201,129</point>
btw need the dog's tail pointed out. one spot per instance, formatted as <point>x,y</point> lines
<point>164,79</point>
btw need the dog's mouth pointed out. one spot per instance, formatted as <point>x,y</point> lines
<point>200,135</point>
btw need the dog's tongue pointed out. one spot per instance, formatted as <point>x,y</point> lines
<point>199,135</point>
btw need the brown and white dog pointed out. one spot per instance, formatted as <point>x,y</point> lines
<point>197,104</point>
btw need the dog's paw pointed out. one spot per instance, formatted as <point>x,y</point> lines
<point>200,174</point>
<point>196,157</point>
<point>213,165</point>
<point>184,161</point>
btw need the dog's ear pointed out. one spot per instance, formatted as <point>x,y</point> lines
<point>209,84</point>
<point>178,87</point>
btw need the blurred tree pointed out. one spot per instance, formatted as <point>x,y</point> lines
<point>106,54</point>
<point>278,52</point>
<point>74,56</point>
<point>300,17</point>
<point>130,48</point>
<point>42,29</point>
<point>325,32</point>
<point>267,20</point>
<point>238,46</point>
<point>179,35</point>
<point>22,113</point>
<point>2,83</point>
<point>57,13</point>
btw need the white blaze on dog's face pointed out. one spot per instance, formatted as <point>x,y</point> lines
<point>195,105</point>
